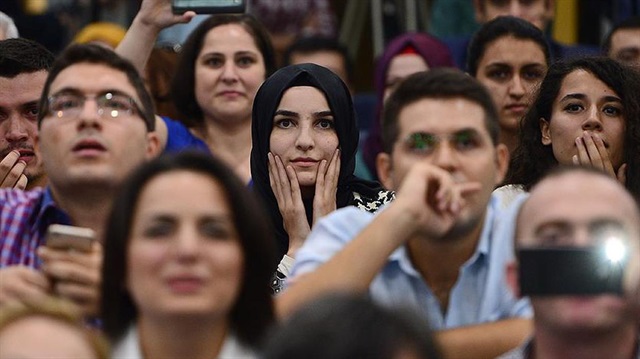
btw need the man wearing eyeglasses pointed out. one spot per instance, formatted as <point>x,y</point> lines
<point>436,248</point>
<point>95,125</point>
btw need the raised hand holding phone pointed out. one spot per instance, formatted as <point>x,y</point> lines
<point>209,6</point>
<point>72,259</point>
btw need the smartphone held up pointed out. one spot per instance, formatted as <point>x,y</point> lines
<point>70,238</point>
<point>209,6</point>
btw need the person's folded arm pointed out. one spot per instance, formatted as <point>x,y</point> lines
<point>353,268</point>
<point>484,341</point>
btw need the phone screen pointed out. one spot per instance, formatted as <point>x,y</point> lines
<point>70,237</point>
<point>209,6</point>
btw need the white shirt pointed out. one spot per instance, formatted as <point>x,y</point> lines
<point>129,348</point>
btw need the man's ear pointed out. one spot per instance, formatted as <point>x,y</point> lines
<point>154,148</point>
<point>385,170</point>
<point>513,279</point>
<point>162,132</point>
<point>550,11</point>
<point>544,130</point>
<point>478,7</point>
<point>502,162</point>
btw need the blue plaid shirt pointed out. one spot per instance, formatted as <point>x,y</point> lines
<point>24,218</point>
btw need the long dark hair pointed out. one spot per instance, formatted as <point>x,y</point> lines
<point>253,311</point>
<point>532,159</point>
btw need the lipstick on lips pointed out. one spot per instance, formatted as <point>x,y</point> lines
<point>304,161</point>
<point>230,93</point>
<point>185,284</point>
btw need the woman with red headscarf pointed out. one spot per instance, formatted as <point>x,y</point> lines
<point>404,55</point>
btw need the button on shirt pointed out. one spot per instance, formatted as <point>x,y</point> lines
<point>24,219</point>
<point>480,294</point>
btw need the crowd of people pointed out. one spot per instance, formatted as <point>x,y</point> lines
<point>242,209</point>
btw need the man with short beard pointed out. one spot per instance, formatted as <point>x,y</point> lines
<point>436,248</point>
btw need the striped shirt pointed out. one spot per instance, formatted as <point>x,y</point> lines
<point>24,218</point>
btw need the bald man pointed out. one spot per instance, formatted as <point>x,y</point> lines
<point>570,213</point>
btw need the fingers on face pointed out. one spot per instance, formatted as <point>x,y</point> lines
<point>592,151</point>
<point>274,178</point>
<point>22,182</point>
<point>450,194</point>
<point>322,173</point>
<point>12,171</point>
<point>622,174</point>
<point>334,168</point>
<point>9,161</point>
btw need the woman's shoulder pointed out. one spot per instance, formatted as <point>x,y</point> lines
<point>233,348</point>
<point>373,201</point>
<point>507,194</point>
<point>128,346</point>
<point>179,138</point>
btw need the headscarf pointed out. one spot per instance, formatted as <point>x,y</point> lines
<point>338,97</point>
<point>434,52</point>
<point>104,32</point>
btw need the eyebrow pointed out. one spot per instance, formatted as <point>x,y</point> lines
<point>560,224</point>
<point>289,113</point>
<point>605,222</point>
<point>286,113</point>
<point>29,104</point>
<point>580,96</point>
<point>75,91</point>
<point>246,52</point>
<point>508,65</point>
<point>237,53</point>
<point>498,64</point>
<point>467,131</point>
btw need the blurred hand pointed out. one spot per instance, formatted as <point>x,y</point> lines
<point>20,284</point>
<point>158,14</point>
<point>75,275</point>
<point>431,196</point>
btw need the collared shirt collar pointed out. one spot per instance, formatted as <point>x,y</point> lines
<point>401,255</point>
<point>49,213</point>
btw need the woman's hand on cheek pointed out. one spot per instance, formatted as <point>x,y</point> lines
<point>286,189</point>
<point>324,200</point>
